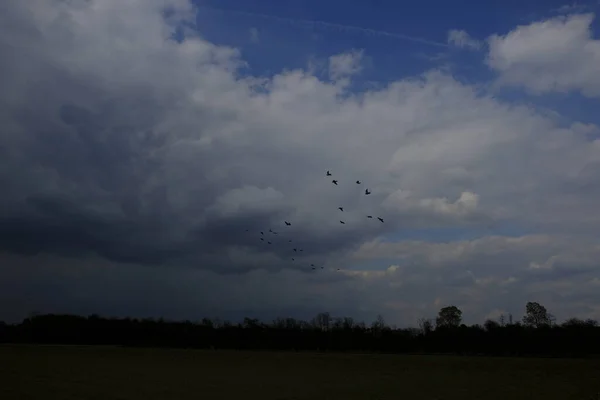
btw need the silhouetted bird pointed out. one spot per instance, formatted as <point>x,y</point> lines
<point>341,208</point>
<point>334,182</point>
<point>290,240</point>
<point>287,223</point>
<point>369,216</point>
<point>379,218</point>
<point>295,250</point>
<point>262,233</point>
<point>342,222</point>
<point>367,191</point>
<point>358,182</point>
<point>269,242</point>
<point>292,259</point>
<point>262,239</point>
<point>328,173</point>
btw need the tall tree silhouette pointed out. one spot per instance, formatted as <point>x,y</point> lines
<point>536,315</point>
<point>425,325</point>
<point>448,317</point>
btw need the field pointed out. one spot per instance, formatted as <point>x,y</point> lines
<point>70,372</point>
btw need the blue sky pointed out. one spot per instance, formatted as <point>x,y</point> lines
<point>287,40</point>
<point>285,43</point>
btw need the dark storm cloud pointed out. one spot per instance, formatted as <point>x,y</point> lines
<point>62,227</point>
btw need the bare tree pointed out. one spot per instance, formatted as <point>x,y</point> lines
<point>490,325</point>
<point>579,323</point>
<point>425,325</point>
<point>322,321</point>
<point>251,323</point>
<point>379,323</point>
<point>348,323</point>
<point>338,323</point>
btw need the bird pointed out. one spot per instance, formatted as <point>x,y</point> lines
<point>295,250</point>
<point>341,208</point>
<point>369,216</point>
<point>287,223</point>
<point>338,269</point>
<point>262,233</point>
<point>342,222</point>
<point>322,267</point>
<point>334,182</point>
<point>312,265</point>
<point>270,230</point>
<point>379,218</point>
<point>262,239</point>
<point>290,240</point>
<point>269,242</point>
<point>301,250</point>
<point>328,173</point>
<point>358,182</point>
<point>367,191</point>
<point>247,230</point>
<point>292,258</point>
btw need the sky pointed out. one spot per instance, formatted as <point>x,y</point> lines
<point>145,144</point>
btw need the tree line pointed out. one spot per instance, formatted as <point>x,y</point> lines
<point>537,334</point>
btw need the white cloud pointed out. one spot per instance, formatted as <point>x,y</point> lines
<point>466,203</point>
<point>572,8</point>
<point>462,39</point>
<point>402,200</point>
<point>345,65</point>
<point>558,54</point>
<point>172,143</point>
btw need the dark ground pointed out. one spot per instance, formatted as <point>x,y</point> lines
<point>72,372</point>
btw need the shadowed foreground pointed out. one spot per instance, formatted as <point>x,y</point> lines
<point>73,372</point>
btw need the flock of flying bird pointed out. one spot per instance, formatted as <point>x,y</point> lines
<point>296,250</point>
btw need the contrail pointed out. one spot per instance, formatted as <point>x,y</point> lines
<point>323,24</point>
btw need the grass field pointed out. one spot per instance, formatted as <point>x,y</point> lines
<point>69,372</point>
